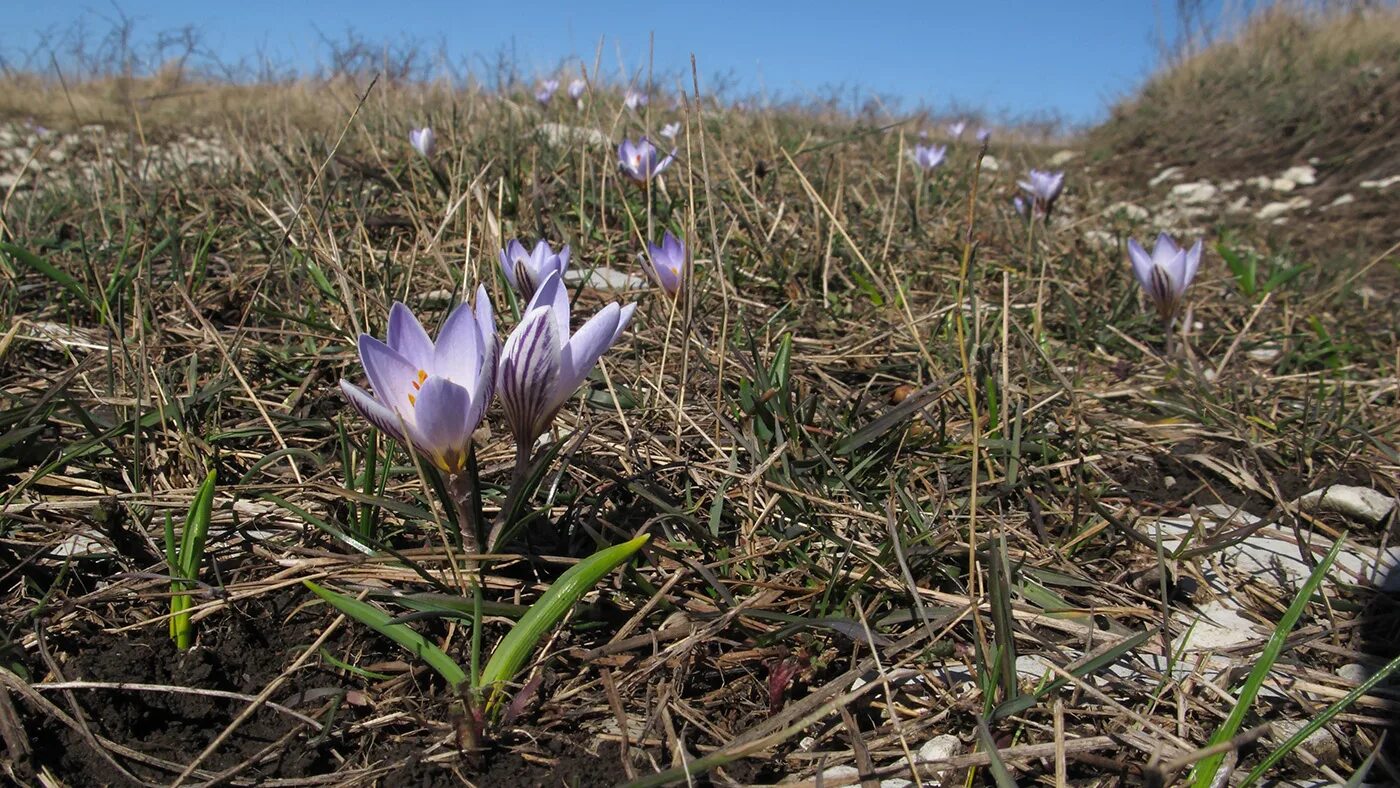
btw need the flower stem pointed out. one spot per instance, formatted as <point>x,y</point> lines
<point>519,478</point>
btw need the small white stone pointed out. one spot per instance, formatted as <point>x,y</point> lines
<point>1239,204</point>
<point>1266,354</point>
<point>1345,199</point>
<point>1063,157</point>
<point>896,782</point>
<point>1229,186</point>
<point>1194,193</point>
<point>940,748</point>
<point>1275,210</point>
<point>1319,743</point>
<point>990,164</point>
<point>1169,174</point>
<point>604,279</point>
<point>1382,183</point>
<point>1131,211</point>
<point>1282,185</point>
<point>1302,175</point>
<point>1354,672</point>
<point>1219,626</point>
<point>563,134</point>
<point>1101,239</point>
<point>1359,503</point>
<point>839,775</point>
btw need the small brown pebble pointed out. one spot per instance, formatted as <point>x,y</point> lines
<point>901,393</point>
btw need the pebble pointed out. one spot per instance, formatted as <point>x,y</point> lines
<point>1194,193</point>
<point>1345,199</point>
<point>1127,209</point>
<point>1063,157</point>
<point>1382,183</point>
<point>1319,743</point>
<point>1359,503</point>
<point>1169,174</point>
<point>1302,175</point>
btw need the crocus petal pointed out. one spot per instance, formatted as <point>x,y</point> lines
<point>528,370</point>
<point>458,352</point>
<point>1193,262</point>
<point>583,350</point>
<point>372,409</point>
<point>441,420</point>
<point>561,261</point>
<point>553,294</point>
<point>390,374</point>
<point>1142,263</point>
<point>1164,250</point>
<point>406,335</point>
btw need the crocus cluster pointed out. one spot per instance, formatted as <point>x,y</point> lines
<point>928,157</point>
<point>1042,188</point>
<point>526,271</point>
<point>640,161</point>
<point>545,92</point>
<point>665,264</point>
<point>423,140</point>
<point>1165,273</point>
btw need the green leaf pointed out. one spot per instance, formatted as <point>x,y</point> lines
<point>1204,774</point>
<point>519,643</point>
<point>381,622</point>
<point>67,280</point>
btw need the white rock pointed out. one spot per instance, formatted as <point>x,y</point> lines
<point>1219,626</point>
<point>1063,157</point>
<point>439,297</point>
<point>839,775</point>
<point>1319,743</point>
<point>1131,211</point>
<point>896,782</point>
<point>1344,199</point>
<point>1359,503</point>
<point>1260,182</point>
<point>604,279</point>
<point>1169,174</point>
<point>1282,185</point>
<point>1302,175</point>
<point>1239,205</point>
<point>1275,210</point>
<point>1193,193</point>
<point>990,164</point>
<point>563,134</point>
<point>1383,183</point>
<point>1101,239</point>
<point>940,748</point>
<point>1230,186</point>
<point>1355,672</point>
<point>1267,354</point>
<point>7,181</point>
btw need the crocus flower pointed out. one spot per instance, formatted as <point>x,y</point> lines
<point>665,264</point>
<point>426,394</point>
<point>526,270</point>
<point>543,364</point>
<point>929,156</point>
<point>1043,188</point>
<point>639,160</point>
<point>984,134</point>
<point>670,130</point>
<point>957,129</point>
<point>1166,273</point>
<point>1022,207</point>
<point>546,90</point>
<point>576,89</point>
<point>423,140</point>
<point>634,99</point>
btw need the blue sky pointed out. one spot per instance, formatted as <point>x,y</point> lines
<point>1071,57</point>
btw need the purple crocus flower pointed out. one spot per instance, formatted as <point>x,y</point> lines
<point>576,89</point>
<point>1043,187</point>
<point>430,395</point>
<point>665,264</point>
<point>929,157</point>
<point>1022,207</point>
<point>546,90</point>
<point>423,140</point>
<point>639,160</point>
<point>1166,273</point>
<point>984,134</point>
<point>543,364</point>
<point>634,99</point>
<point>956,129</point>
<point>670,130</point>
<point>526,270</point>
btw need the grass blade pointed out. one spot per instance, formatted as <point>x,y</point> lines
<point>381,622</point>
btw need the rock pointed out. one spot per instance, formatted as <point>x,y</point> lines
<point>1239,204</point>
<point>1383,183</point>
<point>839,775</point>
<point>1219,626</point>
<point>1101,239</point>
<point>1359,503</point>
<point>1230,186</point>
<point>990,164</point>
<point>1319,743</point>
<point>939,748</point>
<point>563,134</point>
<point>1193,193</point>
<point>896,782</point>
<point>438,298</point>
<point>1169,174</point>
<point>1260,182</point>
<point>1354,672</point>
<point>604,279</point>
<point>1345,199</point>
<point>1302,175</point>
<point>1282,185</point>
<point>1275,210</point>
<point>8,181</point>
<point>1265,354</point>
<point>1063,157</point>
<point>1127,209</point>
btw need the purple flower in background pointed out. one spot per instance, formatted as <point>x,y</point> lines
<point>430,395</point>
<point>639,160</point>
<point>923,134</point>
<point>423,140</point>
<point>670,130</point>
<point>546,90</point>
<point>542,364</point>
<point>1022,207</point>
<point>634,99</point>
<point>1166,273</point>
<point>957,129</point>
<point>665,264</point>
<point>576,89</point>
<point>1043,187</point>
<point>984,134</point>
<point>526,270</point>
<point>929,156</point>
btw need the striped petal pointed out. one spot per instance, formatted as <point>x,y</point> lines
<point>528,373</point>
<point>372,410</point>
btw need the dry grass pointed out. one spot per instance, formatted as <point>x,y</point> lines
<point>807,531</point>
